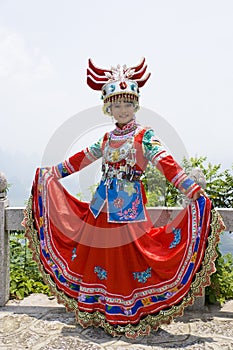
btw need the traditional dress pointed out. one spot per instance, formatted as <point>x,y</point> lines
<point>105,260</point>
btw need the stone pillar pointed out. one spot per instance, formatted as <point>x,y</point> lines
<point>4,245</point>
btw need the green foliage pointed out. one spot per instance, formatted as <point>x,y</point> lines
<point>219,184</point>
<point>155,186</point>
<point>25,278</point>
<point>221,287</point>
<point>159,191</point>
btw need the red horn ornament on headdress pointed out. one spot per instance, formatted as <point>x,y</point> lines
<point>98,77</point>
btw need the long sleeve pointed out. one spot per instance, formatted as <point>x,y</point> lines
<point>157,155</point>
<point>79,160</point>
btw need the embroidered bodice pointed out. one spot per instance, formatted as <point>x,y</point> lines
<point>115,152</point>
<point>125,153</point>
<point>119,154</point>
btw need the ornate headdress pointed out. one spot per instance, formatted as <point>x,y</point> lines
<point>117,83</point>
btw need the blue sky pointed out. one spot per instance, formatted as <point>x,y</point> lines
<point>45,45</point>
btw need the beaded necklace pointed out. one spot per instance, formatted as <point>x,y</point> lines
<point>121,134</point>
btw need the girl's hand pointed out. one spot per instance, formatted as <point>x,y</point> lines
<point>199,193</point>
<point>47,168</point>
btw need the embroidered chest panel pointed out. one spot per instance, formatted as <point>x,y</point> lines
<point>120,150</point>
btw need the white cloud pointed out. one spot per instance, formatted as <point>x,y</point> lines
<point>20,63</point>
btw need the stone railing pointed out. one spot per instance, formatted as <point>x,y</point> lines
<point>11,218</point>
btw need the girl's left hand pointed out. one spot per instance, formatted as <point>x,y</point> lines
<point>199,193</point>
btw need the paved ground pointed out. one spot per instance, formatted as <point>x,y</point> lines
<point>38,322</point>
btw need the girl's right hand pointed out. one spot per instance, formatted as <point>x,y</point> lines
<point>47,168</point>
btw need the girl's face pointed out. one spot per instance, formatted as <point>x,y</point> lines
<point>122,111</point>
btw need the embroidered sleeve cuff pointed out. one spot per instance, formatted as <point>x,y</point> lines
<point>62,169</point>
<point>186,185</point>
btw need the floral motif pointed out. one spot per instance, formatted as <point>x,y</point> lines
<point>193,259</point>
<point>129,188</point>
<point>41,221</point>
<point>101,273</point>
<point>74,255</point>
<point>101,299</point>
<point>130,213</point>
<point>81,297</point>
<point>142,276</point>
<point>168,295</point>
<point>127,311</point>
<point>177,237</point>
<point>115,155</point>
<point>118,202</point>
<point>147,301</point>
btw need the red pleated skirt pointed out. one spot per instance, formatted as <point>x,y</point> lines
<point>128,278</point>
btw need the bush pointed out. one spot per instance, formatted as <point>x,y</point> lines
<point>25,277</point>
<point>221,288</point>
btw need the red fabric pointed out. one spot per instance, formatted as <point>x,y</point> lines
<point>169,167</point>
<point>121,249</point>
<point>79,161</point>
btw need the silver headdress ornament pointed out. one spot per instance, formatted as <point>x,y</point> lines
<point>120,73</point>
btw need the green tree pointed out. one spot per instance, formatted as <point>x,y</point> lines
<point>159,191</point>
<point>219,184</point>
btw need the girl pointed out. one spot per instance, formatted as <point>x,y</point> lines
<point>105,260</point>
